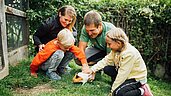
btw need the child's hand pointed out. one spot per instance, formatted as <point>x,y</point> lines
<point>110,94</point>
<point>86,69</point>
<point>34,75</point>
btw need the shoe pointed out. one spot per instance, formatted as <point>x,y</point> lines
<point>147,91</point>
<point>63,72</point>
<point>68,68</point>
<point>53,75</point>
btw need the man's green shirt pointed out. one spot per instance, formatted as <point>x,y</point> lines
<point>100,41</point>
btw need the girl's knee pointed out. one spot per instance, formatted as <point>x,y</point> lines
<point>107,70</point>
<point>118,93</point>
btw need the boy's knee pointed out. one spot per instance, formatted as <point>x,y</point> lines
<point>58,54</point>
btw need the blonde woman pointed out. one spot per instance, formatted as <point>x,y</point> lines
<point>48,30</point>
<point>125,65</point>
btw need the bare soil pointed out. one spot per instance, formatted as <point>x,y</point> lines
<point>46,88</point>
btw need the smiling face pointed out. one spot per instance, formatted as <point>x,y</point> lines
<point>65,20</point>
<point>93,31</point>
<point>67,16</point>
<point>114,44</point>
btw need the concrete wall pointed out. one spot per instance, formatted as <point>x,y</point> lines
<point>17,55</point>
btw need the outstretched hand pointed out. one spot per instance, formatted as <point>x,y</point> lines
<point>86,69</point>
<point>110,94</point>
<point>92,77</point>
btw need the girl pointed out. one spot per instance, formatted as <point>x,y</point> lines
<point>124,65</point>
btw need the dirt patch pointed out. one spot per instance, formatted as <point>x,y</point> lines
<point>46,88</point>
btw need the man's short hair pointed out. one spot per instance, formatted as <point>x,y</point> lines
<point>92,17</point>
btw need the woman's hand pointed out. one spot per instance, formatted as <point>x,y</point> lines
<point>41,46</point>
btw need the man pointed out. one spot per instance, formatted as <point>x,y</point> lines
<point>93,35</point>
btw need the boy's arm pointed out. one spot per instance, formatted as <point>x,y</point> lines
<point>43,55</point>
<point>79,54</point>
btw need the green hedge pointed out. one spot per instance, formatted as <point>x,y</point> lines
<point>146,22</point>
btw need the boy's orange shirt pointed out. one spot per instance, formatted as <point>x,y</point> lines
<point>48,50</point>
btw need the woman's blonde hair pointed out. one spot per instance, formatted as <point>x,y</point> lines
<point>117,34</point>
<point>66,38</point>
<point>68,10</point>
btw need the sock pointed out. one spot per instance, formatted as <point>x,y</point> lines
<point>142,91</point>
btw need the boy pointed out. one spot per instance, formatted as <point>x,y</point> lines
<point>64,42</point>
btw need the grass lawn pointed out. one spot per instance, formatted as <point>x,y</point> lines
<point>20,83</point>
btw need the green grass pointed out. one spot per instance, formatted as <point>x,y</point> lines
<point>19,78</point>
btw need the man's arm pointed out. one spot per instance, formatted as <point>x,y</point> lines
<point>82,45</point>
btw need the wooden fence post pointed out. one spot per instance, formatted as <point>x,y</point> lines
<point>3,36</point>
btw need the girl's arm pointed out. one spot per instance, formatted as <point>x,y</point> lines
<point>107,60</point>
<point>125,67</point>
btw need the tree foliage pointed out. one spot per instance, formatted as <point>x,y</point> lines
<point>146,22</point>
